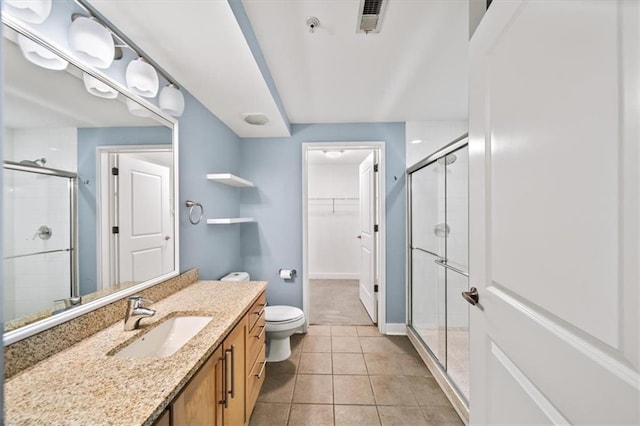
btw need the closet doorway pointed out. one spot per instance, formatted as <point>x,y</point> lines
<point>342,243</point>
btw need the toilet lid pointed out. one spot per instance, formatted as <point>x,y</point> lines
<point>282,313</point>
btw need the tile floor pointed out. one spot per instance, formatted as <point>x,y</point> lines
<point>346,309</point>
<point>351,375</point>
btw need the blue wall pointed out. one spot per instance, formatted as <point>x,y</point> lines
<point>208,146</point>
<point>274,241</point>
<point>88,140</point>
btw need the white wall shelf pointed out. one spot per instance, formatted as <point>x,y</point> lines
<point>229,220</point>
<point>229,179</point>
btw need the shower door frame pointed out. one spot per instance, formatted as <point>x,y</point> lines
<point>459,402</point>
<point>72,185</point>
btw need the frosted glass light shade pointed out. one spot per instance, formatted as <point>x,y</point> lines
<point>40,55</point>
<point>32,11</point>
<point>91,42</point>
<point>333,154</point>
<point>171,101</point>
<point>137,109</point>
<point>142,78</point>
<point>98,88</point>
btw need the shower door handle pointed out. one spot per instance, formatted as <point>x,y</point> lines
<point>471,296</point>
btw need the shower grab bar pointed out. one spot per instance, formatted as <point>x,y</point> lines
<point>443,262</point>
<point>37,253</point>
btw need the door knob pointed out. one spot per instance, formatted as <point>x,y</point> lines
<point>359,237</point>
<point>471,296</point>
<point>167,238</point>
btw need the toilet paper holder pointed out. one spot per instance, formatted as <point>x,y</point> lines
<point>287,274</point>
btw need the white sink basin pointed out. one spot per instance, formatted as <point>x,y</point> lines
<point>165,339</point>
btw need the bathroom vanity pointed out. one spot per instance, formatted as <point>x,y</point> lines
<point>214,378</point>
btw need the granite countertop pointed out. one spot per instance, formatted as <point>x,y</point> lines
<point>83,385</point>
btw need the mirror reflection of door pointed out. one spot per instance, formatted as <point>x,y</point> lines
<point>139,229</point>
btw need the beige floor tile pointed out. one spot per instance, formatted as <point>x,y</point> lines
<point>378,344</point>
<point>319,330</point>
<point>315,363</point>
<point>412,366</point>
<point>441,416</point>
<point>345,363</point>
<point>401,345</point>
<point>392,390</point>
<point>365,415</point>
<point>427,391</point>
<point>343,330</point>
<point>296,342</point>
<point>288,366</point>
<point>277,388</point>
<point>352,390</point>
<point>345,344</point>
<point>313,389</point>
<point>316,344</point>
<point>311,414</point>
<point>382,364</point>
<point>368,330</point>
<point>270,414</point>
<point>401,416</point>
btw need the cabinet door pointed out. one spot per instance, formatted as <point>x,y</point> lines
<point>198,403</point>
<point>234,380</point>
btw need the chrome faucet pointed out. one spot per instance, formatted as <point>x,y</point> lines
<point>135,312</point>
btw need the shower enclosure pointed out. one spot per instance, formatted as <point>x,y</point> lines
<point>438,262</point>
<point>39,236</point>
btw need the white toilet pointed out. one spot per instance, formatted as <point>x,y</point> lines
<point>280,324</point>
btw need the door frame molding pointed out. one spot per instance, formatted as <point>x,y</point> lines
<point>104,206</point>
<point>379,148</point>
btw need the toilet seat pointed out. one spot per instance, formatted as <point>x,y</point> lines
<point>282,314</point>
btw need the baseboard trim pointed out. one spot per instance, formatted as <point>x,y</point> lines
<point>396,329</point>
<point>334,276</point>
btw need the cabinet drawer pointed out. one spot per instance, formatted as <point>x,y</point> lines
<point>256,340</point>
<point>255,379</point>
<point>257,311</point>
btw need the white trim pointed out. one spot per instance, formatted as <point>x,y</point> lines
<point>396,329</point>
<point>334,276</point>
<point>379,147</point>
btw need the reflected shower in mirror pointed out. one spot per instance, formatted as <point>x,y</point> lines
<point>88,187</point>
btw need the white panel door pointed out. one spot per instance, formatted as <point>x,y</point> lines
<point>367,236</point>
<point>554,214</point>
<point>144,215</point>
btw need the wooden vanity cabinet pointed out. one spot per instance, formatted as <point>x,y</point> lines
<point>225,389</point>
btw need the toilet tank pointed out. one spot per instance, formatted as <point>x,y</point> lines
<point>236,276</point>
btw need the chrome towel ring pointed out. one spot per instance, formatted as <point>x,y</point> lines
<point>192,205</point>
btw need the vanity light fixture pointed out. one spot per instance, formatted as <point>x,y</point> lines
<point>32,11</point>
<point>333,154</point>
<point>40,55</point>
<point>98,88</point>
<point>91,42</point>
<point>142,78</point>
<point>137,109</point>
<point>171,100</point>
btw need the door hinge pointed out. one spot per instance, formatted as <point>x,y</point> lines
<point>375,167</point>
<point>114,171</point>
<point>375,288</point>
<point>375,228</point>
<point>115,229</point>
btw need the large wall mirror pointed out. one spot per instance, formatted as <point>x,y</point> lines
<point>89,190</point>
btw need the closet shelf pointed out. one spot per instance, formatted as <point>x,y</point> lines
<point>229,179</point>
<point>229,220</point>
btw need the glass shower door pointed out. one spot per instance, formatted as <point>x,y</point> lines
<point>37,241</point>
<point>428,232</point>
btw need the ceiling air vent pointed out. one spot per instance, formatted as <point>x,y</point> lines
<point>370,17</point>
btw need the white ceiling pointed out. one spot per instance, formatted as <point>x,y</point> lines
<point>349,156</point>
<point>415,69</point>
<point>202,46</point>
